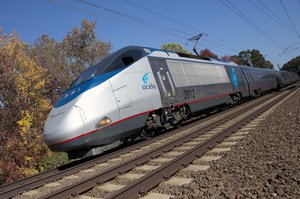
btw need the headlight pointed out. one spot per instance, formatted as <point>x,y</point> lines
<point>103,122</point>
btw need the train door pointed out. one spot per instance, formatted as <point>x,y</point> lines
<point>164,80</point>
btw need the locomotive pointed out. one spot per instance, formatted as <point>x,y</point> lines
<point>136,91</point>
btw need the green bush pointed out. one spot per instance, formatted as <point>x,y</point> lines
<point>52,161</point>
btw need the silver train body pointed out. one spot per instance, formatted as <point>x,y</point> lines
<point>139,89</point>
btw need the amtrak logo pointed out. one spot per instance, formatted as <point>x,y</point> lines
<point>147,85</point>
<point>234,79</point>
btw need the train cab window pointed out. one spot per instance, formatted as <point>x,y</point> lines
<point>127,60</point>
<point>116,65</point>
<point>85,76</point>
<point>136,54</point>
<point>113,62</point>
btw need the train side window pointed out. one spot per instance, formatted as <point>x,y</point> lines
<point>128,60</point>
<point>116,65</point>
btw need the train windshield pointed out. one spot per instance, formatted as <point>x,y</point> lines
<point>90,72</point>
<point>113,62</point>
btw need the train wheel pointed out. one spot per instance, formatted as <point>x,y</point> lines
<point>147,134</point>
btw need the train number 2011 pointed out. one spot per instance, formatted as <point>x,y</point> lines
<point>189,94</point>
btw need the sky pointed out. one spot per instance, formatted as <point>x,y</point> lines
<point>229,26</point>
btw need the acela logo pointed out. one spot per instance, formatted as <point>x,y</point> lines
<point>146,78</point>
<point>147,86</point>
<point>234,79</point>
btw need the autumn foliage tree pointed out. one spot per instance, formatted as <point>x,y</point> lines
<point>23,88</point>
<point>82,48</point>
<point>229,58</point>
<point>30,78</point>
<point>65,60</point>
<point>48,53</point>
<point>207,53</point>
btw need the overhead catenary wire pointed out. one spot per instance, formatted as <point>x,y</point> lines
<point>294,44</point>
<point>234,9</point>
<point>180,23</point>
<point>112,19</point>
<point>156,26</point>
<point>76,9</point>
<point>225,47</point>
<point>109,18</point>
<point>156,13</point>
<point>139,20</point>
<point>290,48</point>
<point>286,49</point>
<point>294,27</point>
<point>288,28</point>
<point>273,14</point>
<point>217,49</point>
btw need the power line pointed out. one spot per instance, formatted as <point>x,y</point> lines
<point>290,18</point>
<point>139,20</point>
<point>163,16</point>
<point>109,18</point>
<point>250,22</point>
<point>272,13</point>
<point>157,13</point>
<point>135,24</point>
<point>295,44</point>
<point>223,46</point>
<point>288,50</point>
<point>273,18</point>
<point>178,22</point>
<point>216,49</point>
<point>113,19</point>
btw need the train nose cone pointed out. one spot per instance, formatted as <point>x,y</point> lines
<point>62,125</point>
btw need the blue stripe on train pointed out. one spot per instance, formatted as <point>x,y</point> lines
<point>75,91</point>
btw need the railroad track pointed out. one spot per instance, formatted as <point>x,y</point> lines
<point>204,136</point>
<point>32,182</point>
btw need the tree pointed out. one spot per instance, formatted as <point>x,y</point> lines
<point>292,65</point>
<point>30,77</point>
<point>174,47</point>
<point>67,59</point>
<point>23,86</point>
<point>231,58</point>
<point>207,53</point>
<point>257,59</point>
<point>49,54</point>
<point>82,49</point>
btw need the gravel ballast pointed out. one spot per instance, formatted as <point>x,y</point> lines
<point>264,164</point>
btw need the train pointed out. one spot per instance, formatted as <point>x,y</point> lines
<point>137,91</point>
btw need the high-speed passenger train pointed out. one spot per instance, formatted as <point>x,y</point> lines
<point>138,90</point>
